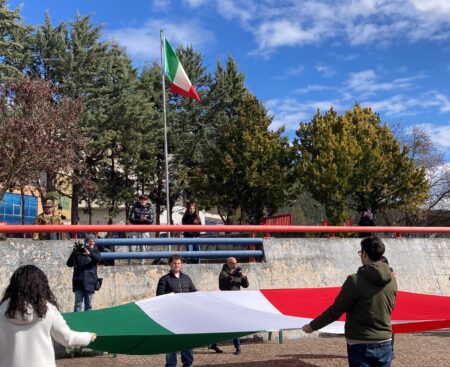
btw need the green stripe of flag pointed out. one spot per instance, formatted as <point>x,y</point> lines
<point>127,319</point>
<point>127,329</point>
<point>157,344</point>
<point>171,61</point>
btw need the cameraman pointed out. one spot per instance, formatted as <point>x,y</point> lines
<point>84,260</point>
<point>232,278</point>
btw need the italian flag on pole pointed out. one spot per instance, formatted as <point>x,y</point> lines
<point>179,81</point>
<point>174,322</point>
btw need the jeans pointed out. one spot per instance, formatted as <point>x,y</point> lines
<point>237,343</point>
<point>186,357</point>
<point>370,355</point>
<point>139,248</point>
<point>193,247</point>
<point>87,296</point>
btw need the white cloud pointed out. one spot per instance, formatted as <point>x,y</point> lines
<point>444,102</point>
<point>161,4</point>
<point>284,33</point>
<point>290,112</point>
<point>348,57</point>
<point>325,70</point>
<point>196,3</point>
<point>276,23</point>
<point>291,72</point>
<point>243,11</point>
<point>312,88</point>
<point>437,7</point>
<point>397,105</point>
<point>143,43</point>
<point>366,82</point>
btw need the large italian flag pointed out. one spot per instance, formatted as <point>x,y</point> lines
<point>179,81</point>
<point>187,320</point>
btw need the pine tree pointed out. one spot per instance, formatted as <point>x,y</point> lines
<point>13,34</point>
<point>246,170</point>
<point>48,51</point>
<point>353,161</point>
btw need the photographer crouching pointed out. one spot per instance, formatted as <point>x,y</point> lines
<point>84,260</point>
<point>231,278</point>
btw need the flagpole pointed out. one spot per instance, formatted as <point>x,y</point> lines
<point>166,150</point>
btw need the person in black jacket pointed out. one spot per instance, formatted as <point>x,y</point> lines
<point>176,282</point>
<point>141,213</point>
<point>231,278</point>
<point>84,260</point>
<point>191,217</point>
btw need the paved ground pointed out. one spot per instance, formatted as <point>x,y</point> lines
<point>431,349</point>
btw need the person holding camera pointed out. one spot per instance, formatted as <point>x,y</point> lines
<point>84,260</point>
<point>231,278</point>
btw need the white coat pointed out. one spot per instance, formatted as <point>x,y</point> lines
<point>27,341</point>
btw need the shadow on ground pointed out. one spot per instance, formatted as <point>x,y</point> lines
<point>288,360</point>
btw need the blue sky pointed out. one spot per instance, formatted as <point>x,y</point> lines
<point>299,55</point>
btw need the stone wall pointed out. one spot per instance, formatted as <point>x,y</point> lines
<point>421,265</point>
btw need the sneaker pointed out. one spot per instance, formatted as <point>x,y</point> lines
<point>237,352</point>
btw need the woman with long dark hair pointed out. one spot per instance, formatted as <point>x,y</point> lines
<point>30,319</point>
<point>191,217</point>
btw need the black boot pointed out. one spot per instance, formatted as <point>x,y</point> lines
<point>216,348</point>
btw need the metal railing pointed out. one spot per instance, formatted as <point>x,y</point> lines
<point>85,228</point>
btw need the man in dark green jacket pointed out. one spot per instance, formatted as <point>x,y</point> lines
<point>367,298</point>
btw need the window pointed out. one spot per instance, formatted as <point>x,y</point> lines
<point>11,209</point>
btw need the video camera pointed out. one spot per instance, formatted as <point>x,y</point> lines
<point>79,247</point>
<point>238,272</point>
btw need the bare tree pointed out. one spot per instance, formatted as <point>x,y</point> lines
<point>39,133</point>
<point>426,154</point>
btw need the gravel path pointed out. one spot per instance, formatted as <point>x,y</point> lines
<point>431,349</point>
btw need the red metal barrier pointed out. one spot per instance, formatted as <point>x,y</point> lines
<point>29,228</point>
<point>277,220</point>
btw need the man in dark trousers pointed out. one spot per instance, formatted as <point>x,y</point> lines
<point>84,260</point>
<point>367,298</point>
<point>231,278</point>
<point>176,282</point>
<point>141,213</point>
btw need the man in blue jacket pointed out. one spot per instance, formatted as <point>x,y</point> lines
<point>84,260</point>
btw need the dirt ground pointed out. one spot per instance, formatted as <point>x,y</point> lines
<point>430,349</point>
